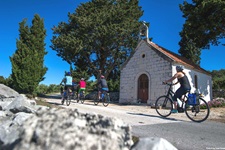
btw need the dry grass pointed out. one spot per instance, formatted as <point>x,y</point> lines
<point>217,114</point>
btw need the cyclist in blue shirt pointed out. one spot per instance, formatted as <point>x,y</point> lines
<point>68,82</point>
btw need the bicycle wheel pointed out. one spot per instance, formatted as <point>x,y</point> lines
<point>198,112</point>
<point>96,100</point>
<point>63,101</point>
<point>163,106</point>
<point>78,98</point>
<point>106,99</point>
<point>82,98</point>
<point>74,96</point>
<point>68,100</point>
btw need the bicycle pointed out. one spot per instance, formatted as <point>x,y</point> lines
<point>197,112</point>
<point>104,97</point>
<point>82,97</point>
<point>67,96</point>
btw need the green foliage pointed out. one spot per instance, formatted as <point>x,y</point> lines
<point>90,86</point>
<point>2,80</point>
<point>28,60</point>
<point>6,81</point>
<point>114,85</point>
<point>99,35</point>
<point>78,74</point>
<point>218,79</point>
<point>189,50</point>
<point>204,25</point>
<point>44,89</point>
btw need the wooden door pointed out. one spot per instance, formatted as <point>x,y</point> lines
<point>143,88</point>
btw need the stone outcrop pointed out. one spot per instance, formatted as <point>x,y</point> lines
<point>28,126</point>
<point>68,129</point>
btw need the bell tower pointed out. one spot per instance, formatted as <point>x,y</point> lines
<point>143,31</point>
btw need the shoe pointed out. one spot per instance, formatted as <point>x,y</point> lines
<point>174,111</point>
<point>180,109</point>
<point>62,102</point>
<point>187,105</point>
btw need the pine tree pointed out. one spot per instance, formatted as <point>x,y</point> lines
<point>100,35</point>
<point>28,60</point>
<point>204,26</point>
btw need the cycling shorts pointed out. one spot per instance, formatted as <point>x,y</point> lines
<point>81,89</point>
<point>68,86</point>
<point>104,89</point>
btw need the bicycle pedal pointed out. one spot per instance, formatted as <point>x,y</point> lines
<point>180,110</point>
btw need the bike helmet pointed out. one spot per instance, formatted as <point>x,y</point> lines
<point>82,78</point>
<point>102,76</point>
<point>179,68</point>
<point>68,73</point>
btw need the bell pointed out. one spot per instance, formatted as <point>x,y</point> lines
<point>143,32</point>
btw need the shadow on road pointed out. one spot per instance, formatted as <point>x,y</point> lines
<point>51,96</point>
<point>147,115</point>
<point>52,103</point>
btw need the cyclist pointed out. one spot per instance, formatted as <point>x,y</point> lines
<point>82,85</point>
<point>102,85</point>
<point>182,90</point>
<point>67,80</point>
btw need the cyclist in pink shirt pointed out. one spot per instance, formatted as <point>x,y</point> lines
<point>82,85</point>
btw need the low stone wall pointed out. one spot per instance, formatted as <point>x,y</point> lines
<point>114,96</point>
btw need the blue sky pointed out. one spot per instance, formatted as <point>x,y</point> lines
<point>164,16</point>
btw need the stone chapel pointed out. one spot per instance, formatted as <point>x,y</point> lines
<point>143,73</point>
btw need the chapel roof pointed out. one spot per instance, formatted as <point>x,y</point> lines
<point>176,58</point>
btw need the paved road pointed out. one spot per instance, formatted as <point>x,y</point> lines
<point>177,129</point>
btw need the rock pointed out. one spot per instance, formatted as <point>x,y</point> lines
<point>68,129</point>
<point>153,143</point>
<point>19,105</point>
<point>20,117</point>
<point>6,92</point>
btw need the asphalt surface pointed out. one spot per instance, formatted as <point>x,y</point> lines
<point>145,122</point>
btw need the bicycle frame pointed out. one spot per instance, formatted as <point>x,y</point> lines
<point>170,94</point>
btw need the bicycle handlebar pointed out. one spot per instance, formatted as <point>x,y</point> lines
<point>170,84</point>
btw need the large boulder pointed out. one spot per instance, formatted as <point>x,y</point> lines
<point>68,129</point>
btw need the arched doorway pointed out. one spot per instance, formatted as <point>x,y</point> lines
<point>143,88</point>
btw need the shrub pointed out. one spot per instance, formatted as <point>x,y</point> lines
<point>218,102</point>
